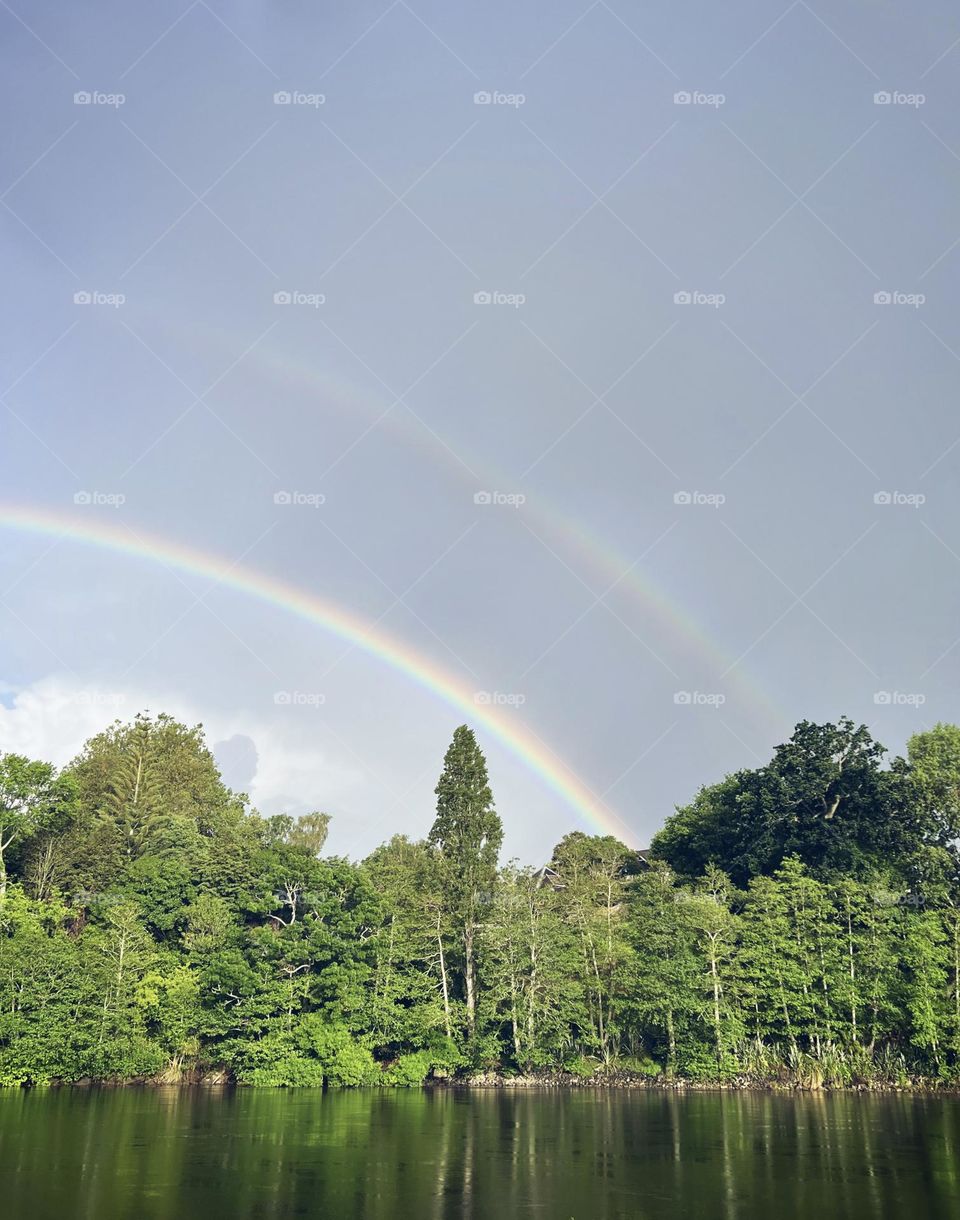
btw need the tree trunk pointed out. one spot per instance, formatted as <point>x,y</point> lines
<point>4,844</point>
<point>671,1043</point>
<point>43,871</point>
<point>443,979</point>
<point>715,976</point>
<point>468,977</point>
<point>514,1019</point>
<point>853,980</point>
<point>956,982</point>
<point>532,995</point>
<point>132,829</point>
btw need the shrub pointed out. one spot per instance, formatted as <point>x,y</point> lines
<point>581,1066</point>
<point>409,1070</point>
<point>311,1055</point>
<point>344,1061</point>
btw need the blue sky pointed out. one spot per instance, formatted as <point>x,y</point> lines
<point>677,280</point>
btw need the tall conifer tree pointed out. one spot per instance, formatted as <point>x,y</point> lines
<point>467,832</point>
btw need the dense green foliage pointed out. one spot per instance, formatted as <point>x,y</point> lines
<point>796,922</point>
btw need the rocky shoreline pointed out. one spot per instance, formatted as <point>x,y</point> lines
<point>551,1082</point>
<point>613,1080</point>
<point>632,1080</point>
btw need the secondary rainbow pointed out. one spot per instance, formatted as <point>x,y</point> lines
<point>611,566</point>
<point>378,643</point>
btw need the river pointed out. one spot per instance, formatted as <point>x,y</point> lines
<point>170,1154</point>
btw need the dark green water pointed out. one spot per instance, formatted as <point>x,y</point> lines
<point>173,1154</point>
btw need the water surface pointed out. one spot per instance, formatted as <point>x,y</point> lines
<point>169,1154</point>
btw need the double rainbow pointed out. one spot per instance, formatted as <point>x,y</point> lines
<point>376,642</point>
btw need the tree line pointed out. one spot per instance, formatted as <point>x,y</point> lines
<point>797,923</point>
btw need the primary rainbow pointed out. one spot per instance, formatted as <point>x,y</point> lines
<point>371,639</point>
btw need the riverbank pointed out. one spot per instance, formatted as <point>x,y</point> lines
<point>607,1081</point>
<point>679,1084</point>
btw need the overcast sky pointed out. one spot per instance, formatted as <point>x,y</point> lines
<point>615,265</point>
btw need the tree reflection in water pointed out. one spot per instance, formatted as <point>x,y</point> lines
<point>163,1154</point>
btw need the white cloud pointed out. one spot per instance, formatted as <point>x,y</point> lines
<point>53,717</point>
